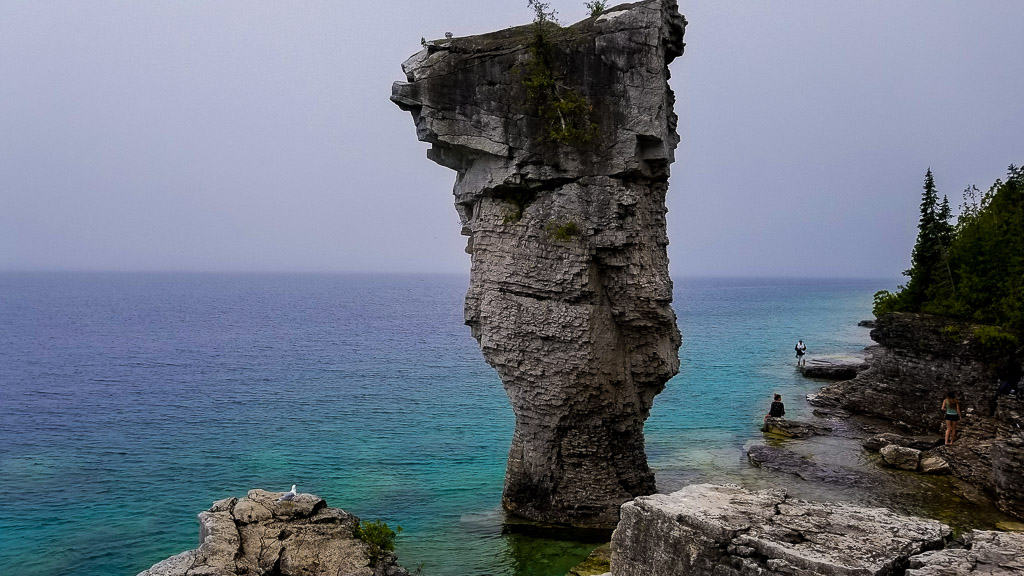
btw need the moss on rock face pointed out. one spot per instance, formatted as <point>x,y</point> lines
<point>563,231</point>
<point>599,562</point>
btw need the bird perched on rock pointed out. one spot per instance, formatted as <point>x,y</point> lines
<point>423,41</point>
<point>288,496</point>
<point>448,35</point>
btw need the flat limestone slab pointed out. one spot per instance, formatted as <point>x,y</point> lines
<point>833,366</point>
<point>707,529</point>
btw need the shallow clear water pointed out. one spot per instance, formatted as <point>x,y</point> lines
<point>130,402</point>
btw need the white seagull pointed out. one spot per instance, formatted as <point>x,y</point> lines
<point>290,495</point>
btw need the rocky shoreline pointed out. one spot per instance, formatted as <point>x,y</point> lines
<point>918,359</point>
<point>881,405</point>
<point>728,530</point>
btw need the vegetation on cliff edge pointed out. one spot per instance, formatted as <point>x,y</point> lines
<point>564,112</point>
<point>971,269</point>
<point>379,538</point>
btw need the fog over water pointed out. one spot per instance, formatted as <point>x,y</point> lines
<point>259,136</point>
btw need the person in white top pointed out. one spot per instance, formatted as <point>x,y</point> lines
<point>801,349</point>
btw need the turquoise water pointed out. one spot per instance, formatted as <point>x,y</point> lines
<point>130,402</point>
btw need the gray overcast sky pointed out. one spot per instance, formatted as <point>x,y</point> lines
<point>259,136</point>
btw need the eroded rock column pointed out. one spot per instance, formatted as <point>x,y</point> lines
<point>569,291</point>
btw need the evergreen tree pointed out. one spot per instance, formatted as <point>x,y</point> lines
<point>945,222</point>
<point>940,294</point>
<point>927,255</point>
<point>973,270</point>
<point>987,256</point>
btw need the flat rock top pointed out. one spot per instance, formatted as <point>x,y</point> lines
<point>824,538</point>
<point>724,510</point>
<point>851,360</point>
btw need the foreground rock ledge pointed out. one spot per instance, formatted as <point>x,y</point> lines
<point>258,535</point>
<point>716,530</point>
<point>570,296</point>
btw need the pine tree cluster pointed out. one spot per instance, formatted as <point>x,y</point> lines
<point>972,269</point>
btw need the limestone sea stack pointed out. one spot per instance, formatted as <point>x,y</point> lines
<point>561,139</point>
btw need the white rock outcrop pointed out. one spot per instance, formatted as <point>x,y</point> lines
<point>712,530</point>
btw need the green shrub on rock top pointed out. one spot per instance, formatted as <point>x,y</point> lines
<point>563,111</point>
<point>995,342</point>
<point>380,539</point>
<point>596,7</point>
<point>885,302</point>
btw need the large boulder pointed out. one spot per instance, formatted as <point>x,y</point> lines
<point>711,530</point>
<point>901,457</point>
<point>932,464</point>
<point>879,441</point>
<point>259,534</point>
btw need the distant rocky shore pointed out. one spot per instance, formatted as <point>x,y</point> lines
<point>919,358</point>
<point>262,535</point>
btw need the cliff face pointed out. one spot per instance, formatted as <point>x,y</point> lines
<point>569,292</point>
<point>919,359</point>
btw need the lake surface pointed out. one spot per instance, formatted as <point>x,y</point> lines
<point>130,402</point>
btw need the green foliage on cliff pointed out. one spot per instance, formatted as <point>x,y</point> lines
<point>563,231</point>
<point>995,342</point>
<point>930,276</point>
<point>885,302</point>
<point>518,200</point>
<point>596,7</point>
<point>971,270</point>
<point>564,112</point>
<point>379,538</point>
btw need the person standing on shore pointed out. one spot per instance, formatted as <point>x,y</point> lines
<point>952,407</point>
<point>801,349</point>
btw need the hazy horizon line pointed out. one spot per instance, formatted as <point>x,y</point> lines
<point>256,272</point>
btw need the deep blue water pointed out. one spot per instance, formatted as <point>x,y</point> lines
<point>130,402</point>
